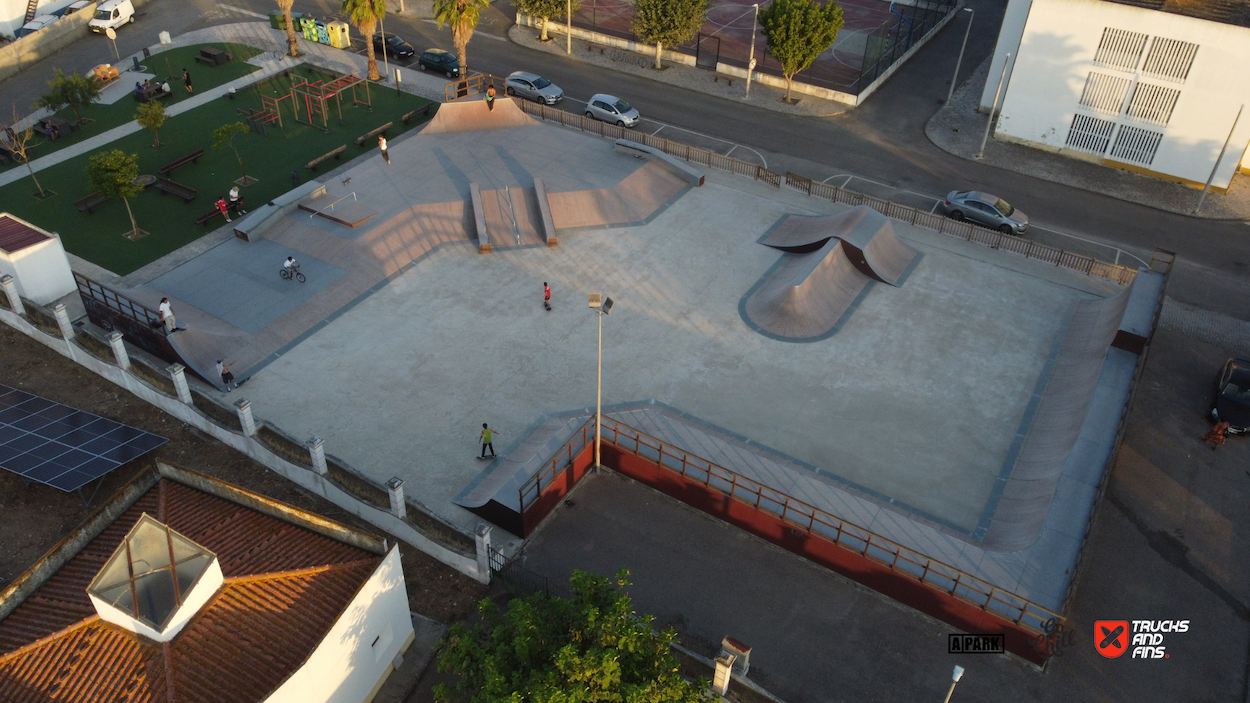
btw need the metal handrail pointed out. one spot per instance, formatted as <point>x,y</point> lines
<point>968,231</point>
<point>330,207</point>
<point>800,517</point>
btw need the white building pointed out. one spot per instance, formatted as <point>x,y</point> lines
<point>13,12</point>
<point>1152,87</point>
<point>35,259</point>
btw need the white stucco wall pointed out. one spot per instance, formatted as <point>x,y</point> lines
<point>1056,56</point>
<point>358,650</point>
<point>13,12</point>
<point>42,271</point>
<point>1008,43</point>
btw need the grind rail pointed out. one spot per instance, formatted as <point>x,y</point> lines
<point>799,517</point>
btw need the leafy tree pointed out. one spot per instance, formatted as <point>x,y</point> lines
<point>462,16</point>
<point>797,31</point>
<point>17,142</point>
<point>151,115</point>
<point>365,14</point>
<point>224,136</point>
<point>292,44</point>
<point>546,9</point>
<point>552,650</point>
<point>112,174</point>
<point>73,90</point>
<point>667,22</point>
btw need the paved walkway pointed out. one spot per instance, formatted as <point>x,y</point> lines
<point>958,130</point>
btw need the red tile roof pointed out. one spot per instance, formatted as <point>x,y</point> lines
<point>16,235</point>
<point>284,588</point>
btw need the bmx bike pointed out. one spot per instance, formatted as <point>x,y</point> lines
<point>288,274</point>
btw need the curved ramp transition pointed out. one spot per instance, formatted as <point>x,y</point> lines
<point>474,116</point>
<point>867,236</point>
<point>805,296</point>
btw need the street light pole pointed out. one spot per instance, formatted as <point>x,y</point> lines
<point>1218,159</point>
<point>971,14</point>
<point>602,306</point>
<point>382,26</point>
<point>955,676</point>
<point>994,107</point>
<point>751,64</point>
<point>568,34</point>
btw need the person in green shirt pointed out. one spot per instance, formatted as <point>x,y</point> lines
<point>487,437</point>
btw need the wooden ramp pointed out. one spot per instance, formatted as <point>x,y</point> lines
<point>474,116</point>
<point>867,236</point>
<point>805,297</point>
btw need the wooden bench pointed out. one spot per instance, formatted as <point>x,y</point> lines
<point>336,154</point>
<point>206,217</point>
<point>90,203</point>
<point>188,159</point>
<point>366,137</point>
<point>164,185</point>
<point>423,110</point>
<point>718,77</point>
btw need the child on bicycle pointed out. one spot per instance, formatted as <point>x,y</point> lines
<point>291,265</point>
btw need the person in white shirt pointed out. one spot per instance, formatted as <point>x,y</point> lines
<point>382,145</point>
<point>236,201</point>
<point>291,264</point>
<point>167,316</point>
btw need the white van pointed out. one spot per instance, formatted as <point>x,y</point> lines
<point>112,14</point>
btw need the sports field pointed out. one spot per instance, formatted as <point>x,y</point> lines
<point>170,222</point>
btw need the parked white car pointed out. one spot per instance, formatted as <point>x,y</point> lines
<point>35,25</point>
<point>112,15</point>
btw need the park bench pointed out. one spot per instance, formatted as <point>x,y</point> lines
<point>718,77</point>
<point>90,203</point>
<point>164,185</point>
<point>423,110</point>
<point>206,217</point>
<point>590,46</point>
<point>336,154</point>
<point>188,159</point>
<point>212,57</point>
<point>366,137</point>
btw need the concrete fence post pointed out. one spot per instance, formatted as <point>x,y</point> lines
<point>724,667</point>
<point>62,321</point>
<point>481,539</point>
<point>178,373</point>
<point>119,349</point>
<point>396,488</point>
<point>244,407</point>
<point>317,451</point>
<point>10,291</point>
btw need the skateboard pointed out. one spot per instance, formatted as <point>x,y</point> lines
<point>486,457</point>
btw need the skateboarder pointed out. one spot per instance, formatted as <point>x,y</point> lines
<point>382,145</point>
<point>223,370</point>
<point>490,98</point>
<point>225,211</point>
<point>547,296</point>
<point>167,316</point>
<point>186,81</point>
<point>487,436</point>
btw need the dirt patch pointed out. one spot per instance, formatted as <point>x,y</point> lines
<point>219,414</point>
<point>93,346</point>
<point>282,446</point>
<point>36,517</point>
<point>152,377</point>
<point>357,486</point>
<point>41,318</point>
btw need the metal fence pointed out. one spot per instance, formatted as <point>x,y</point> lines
<point>892,40</point>
<point>964,230</point>
<point>533,489</point>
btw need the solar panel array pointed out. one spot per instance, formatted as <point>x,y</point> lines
<point>64,447</point>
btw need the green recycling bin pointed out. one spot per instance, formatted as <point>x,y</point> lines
<point>277,20</point>
<point>308,25</point>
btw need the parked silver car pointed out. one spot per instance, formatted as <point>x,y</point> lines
<point>533,87</point>
<point>612,109</point>
<point>985,209</point>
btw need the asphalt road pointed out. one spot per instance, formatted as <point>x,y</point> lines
<point>882,141</point>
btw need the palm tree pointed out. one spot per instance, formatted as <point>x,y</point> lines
<point>292,44</point>
<point>365,14</point>
<point>462,15</point>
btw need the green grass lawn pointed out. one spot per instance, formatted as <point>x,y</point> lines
<point>171,223</point>
<point>105,117</point>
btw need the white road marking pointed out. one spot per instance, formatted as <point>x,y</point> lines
<point>662,126</point>
<point>241,11</point>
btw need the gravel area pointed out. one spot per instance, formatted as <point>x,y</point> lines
<point>688,77</point>
<point>958,130</point>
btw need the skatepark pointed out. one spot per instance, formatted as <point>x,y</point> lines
<point>958,400</point>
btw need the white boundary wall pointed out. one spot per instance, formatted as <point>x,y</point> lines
<point>1055,58</point>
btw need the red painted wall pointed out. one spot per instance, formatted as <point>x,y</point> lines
<point>557,489</point>
<point>900,587</point>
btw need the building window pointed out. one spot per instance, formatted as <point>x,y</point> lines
<point>1153,103</point>
<point>1170,59</point>
<point>1120,48</point>
<point>1090,134</point>
<point>1104,93</point>
<point>1136,144</point>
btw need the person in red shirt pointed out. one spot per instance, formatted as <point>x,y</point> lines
<point>221,205</point>
<point>546,296</point>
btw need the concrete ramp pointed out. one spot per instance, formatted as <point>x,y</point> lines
<point>800,234</point>
<point>199,351</point>
<point>867,236</point>
<point>474,116</point>
<point>805,296</point>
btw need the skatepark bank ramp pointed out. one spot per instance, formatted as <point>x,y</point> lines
<point>476,116</point>
<point>867,235</point>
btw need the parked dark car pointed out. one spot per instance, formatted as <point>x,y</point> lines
<point>985,209</point>
<point>439,60</point>
<point>1232,396</point>
<point>396,47</point>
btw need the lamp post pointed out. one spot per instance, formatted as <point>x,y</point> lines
<point>955,676</point>
<point>568,28</point>
<point>1218,159</point>
<point>751,64</point>
<point>954,79</point>
<point>993,108</point>
<point>602,306</point>
<point>382,26</point>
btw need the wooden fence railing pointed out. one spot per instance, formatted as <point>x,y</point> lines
<point>1122,275</point>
